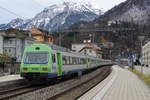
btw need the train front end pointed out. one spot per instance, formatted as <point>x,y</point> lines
<point>36,62</point>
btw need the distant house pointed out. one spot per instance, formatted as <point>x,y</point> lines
<point>76,47</point>
<point>41,36</point>
<point>88,49</point>
<point>14,42</point>
<point>111,22</point>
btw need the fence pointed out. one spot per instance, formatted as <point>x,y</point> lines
<point>10,68</point>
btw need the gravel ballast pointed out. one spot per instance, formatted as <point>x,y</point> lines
<point>54,90</point>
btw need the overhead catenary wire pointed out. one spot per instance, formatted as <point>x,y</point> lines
<point>37,2</point>
<point>11,12</point>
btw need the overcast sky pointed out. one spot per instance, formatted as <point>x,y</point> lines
<point>10,9</point>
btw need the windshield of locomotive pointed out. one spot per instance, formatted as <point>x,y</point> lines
<point>36,58</point>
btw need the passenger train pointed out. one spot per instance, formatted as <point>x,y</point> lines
<point>43,61</point>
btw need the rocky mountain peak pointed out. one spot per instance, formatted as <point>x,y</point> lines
<point>57,16</point>
<point>136,10</point>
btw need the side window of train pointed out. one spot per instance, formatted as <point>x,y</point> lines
<point>83,61</point>
<point>53,58</point>
<point>79,60</point>
<point>73,60</point>
<point>70,60</point>
<point>64,60</point>
<point>67,60</point>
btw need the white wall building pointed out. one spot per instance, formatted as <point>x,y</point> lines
<point>78,46</point>
<point>14,44</point>
<point>88,49</point>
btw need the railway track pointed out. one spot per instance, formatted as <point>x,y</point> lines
<point>75,92</point>
<point>6,94</point>
<point>60,89</point>
<point>21,89</point>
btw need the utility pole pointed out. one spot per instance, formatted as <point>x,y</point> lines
<point>132,59</point>
<point>132,44</point>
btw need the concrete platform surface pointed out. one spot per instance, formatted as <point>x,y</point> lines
<point>122,85</point>
<point>10,78</point>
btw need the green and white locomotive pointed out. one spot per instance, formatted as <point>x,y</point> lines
<point>43,61</point>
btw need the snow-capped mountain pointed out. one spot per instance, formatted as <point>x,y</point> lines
<point>57,17</point>
<point>130,10</point>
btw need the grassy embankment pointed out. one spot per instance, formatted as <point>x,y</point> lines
<point>144,77</point>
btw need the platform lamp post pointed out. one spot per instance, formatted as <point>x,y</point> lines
<point>141,38</point>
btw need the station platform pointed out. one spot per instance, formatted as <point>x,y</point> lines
<point>121,84</point>
<point>10,78</point>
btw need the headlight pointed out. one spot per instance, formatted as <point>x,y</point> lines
<point>45,69</point>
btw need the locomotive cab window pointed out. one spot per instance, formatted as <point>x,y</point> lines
<point>36,57</point>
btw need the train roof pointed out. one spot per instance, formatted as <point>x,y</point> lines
<point>65,50</point>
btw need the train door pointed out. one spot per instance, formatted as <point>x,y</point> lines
<point>59,64</point>
<point>54,64</point>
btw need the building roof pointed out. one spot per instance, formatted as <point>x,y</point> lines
<point>16,33</point>
<point>93,47</point>
<point>37,31</point>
